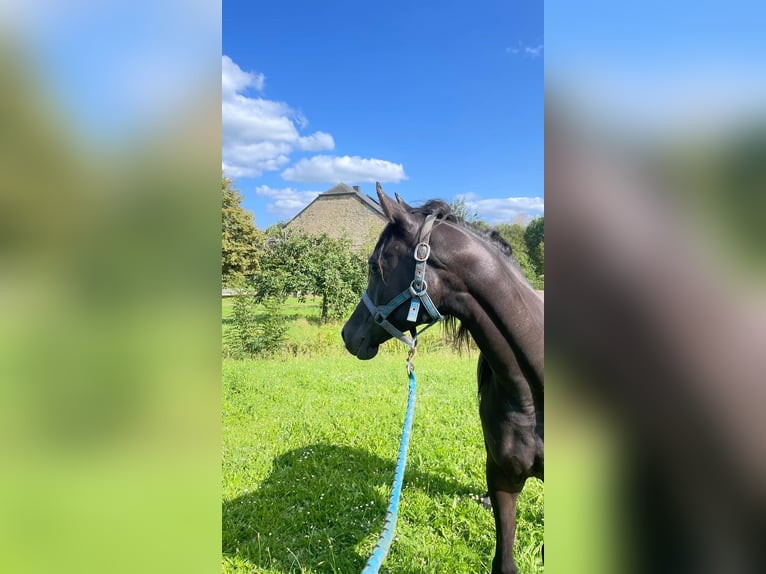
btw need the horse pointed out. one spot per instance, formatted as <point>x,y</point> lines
<point>444,267</point>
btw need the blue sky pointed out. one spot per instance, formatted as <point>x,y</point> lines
<point>448,94</point>
<point>434,99</point>
<point>676,69</point>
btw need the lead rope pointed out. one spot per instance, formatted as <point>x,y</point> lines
<point>383,544</point>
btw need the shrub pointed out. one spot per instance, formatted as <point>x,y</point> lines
<point>252,334</point>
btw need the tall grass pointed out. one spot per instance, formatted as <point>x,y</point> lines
<point>310,444</point>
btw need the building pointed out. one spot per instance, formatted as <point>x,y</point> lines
<point>339,211</point>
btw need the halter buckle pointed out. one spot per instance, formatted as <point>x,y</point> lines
<point>415,292</point>
<point>425,248</point>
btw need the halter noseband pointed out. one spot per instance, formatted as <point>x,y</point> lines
<point>417,292</point>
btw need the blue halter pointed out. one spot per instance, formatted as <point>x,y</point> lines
<point>417,292</point>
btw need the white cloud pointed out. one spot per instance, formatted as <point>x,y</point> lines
<point>248,120</point>
<point>349,169</point>
<point>259,134</point>
<point>533,51</point>
<point>526,50</point>
<point>251,160</point>
<point>287,202</point>
<point>233,79</point>
<point>504,209</point>
<point>317,141</point>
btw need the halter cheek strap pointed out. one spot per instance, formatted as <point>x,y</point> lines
<point>417,293</point>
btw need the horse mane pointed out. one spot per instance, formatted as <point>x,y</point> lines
<point>444,212</point>
<point>455,330</point>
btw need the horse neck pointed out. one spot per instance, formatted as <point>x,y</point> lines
<point>497,305</point>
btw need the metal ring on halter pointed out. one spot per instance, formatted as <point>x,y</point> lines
<point>415,292</point>
<point>417,249</point>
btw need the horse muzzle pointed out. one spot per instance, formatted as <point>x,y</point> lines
<point>357,335</point>
<point>359,346</point>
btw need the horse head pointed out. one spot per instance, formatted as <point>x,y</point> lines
<point>400,293</point>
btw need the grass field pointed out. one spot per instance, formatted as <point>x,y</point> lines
<point>310,444</point>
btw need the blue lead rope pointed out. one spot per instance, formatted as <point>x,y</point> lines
<point>380,551</point>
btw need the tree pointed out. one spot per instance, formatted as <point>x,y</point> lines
<point>275,231</point>
<point>466,213</point>
<point>283,267</point>
<point>241,242</point>
<point>252,333</point>
<point>513,233</point>
<point>317,265</point>
<point>534,238</point>
<point>339,275</point>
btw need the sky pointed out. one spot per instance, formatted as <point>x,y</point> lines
<point>432,99</point>
<point>658,67</point>
<point>116,68</point>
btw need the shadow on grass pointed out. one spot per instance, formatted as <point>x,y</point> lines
<point>315,506</point>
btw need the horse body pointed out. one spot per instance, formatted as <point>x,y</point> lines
<point>474,279</point>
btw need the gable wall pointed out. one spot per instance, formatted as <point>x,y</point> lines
<point>337,214</point>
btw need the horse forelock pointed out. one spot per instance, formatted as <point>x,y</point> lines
<point>440,209</point>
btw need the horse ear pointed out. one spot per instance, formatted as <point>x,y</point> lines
<point>401,202</point>
<point>393,210</point>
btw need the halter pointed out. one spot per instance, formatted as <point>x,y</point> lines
<point>417,292</point>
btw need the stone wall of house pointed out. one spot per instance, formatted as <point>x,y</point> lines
<point>339,214</point>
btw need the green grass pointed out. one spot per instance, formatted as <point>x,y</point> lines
<point>310,445</point>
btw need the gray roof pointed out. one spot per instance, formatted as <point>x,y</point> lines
<point>343,189</point>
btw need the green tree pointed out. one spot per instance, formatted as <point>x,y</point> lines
<point>466,213</point>
<point>253,332</point>
<point>241,242</point>
<point>534,238</point>
<point>313,265</point>
<point>339,277</point>
<point>275,231</point>
<point>283,267</point>
<point>513,233</point>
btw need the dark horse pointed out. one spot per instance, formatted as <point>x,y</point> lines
<point>468,274</point>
